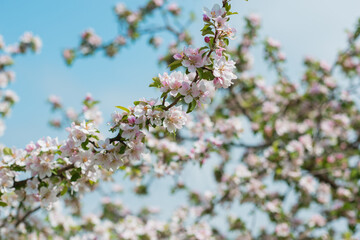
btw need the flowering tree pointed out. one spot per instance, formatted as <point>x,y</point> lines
<point>301,176</point>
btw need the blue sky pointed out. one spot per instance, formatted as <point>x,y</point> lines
<point>305,27</point>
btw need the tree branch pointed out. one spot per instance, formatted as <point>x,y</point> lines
<point>26,216</point>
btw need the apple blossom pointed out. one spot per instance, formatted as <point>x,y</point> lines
<point>282,230</point>
<point>174,119</point>
<point>223,71</point>
<point>193,58</point>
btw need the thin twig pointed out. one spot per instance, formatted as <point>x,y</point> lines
<point>26,216</point>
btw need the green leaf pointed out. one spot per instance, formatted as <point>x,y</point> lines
<point>174,65</point>
<point>3,204</point>
<point>75,177</point>
<point>207,31</point>
<point>232,13</point>
<point>17,168</point>
<point>191,106</point>
<point>90,104</point>
<point>124,109</point>
<point>122,149</point>
<point>7,151</point>
<point>91,182</point>
<point>141,190</point>
<point>75,174</point>
<point>156,83</point>
<point>211,43</point>
<point>208,75</point>
<point>43,184</point>
<point>205,27</point>
<point>122,168</point>
<point>228,7</point>
<point>200,72</point>
<point>164,94</point>
<point>64,190</point>
<point>138,102</point>
<point>61,161</point>
<point>159,108</point>
<point>84,144</point>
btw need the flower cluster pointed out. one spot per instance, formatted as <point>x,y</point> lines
<point>132,25</point>
<point>179,84</point>
<point>50,169</point>
<point>90,112</point>
<point>116,222</point>
<point>27,42</point>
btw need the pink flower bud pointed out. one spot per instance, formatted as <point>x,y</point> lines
<point>30,147</point>
<point>330,159</point>
<point>207,39</point>
<point>88,97</point>
<point>206,18</point>
<point>282,56</point>
<point>132,119</point>
<point>67,53</point>
<point>178,56</point>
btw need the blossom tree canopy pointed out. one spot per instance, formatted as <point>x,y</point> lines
<point>301,176</point>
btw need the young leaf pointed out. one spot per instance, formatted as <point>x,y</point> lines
<point>156,83</point>
<point>75,176</point>
<point>207,31</point>
<point>7,151</point>
<point>64,190</point>
<point>84,144</point>
<point>122,149</point>
<point>174,65</point>
<point>138,102</point>
<point>208,75</point>
<point>124,109</point>
<point>17,168</point>
<point>191,106</point>
<point>200,72</point>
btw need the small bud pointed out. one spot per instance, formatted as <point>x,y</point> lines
<point>206,18</point>
<point>281,56</point>
<point>207,39</point>
<point>88,97</point>
<point>178,56</point>
<point>131,119</point>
